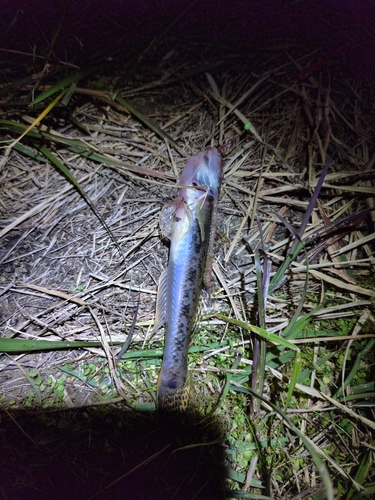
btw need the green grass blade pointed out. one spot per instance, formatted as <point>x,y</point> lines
<point>297,366</point>
<point>259,349</point>
<point>360,477</point>
<point>81,148</point>
<point>39,118</point>
<point>63,169</point>
<point>142,354</point>
<point>353,372</point>
<point>279,276</point>
<point>292,330</point>
<point>28,152</point>
<point>68,95</point>
<point>66,82</point>
<point>23,346</point>
<point>362,388</point>
<point>361,396</point>
<point>271,337</point>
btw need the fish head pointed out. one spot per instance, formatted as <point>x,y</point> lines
<point>203,171</point>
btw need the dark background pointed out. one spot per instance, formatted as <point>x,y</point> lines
<point>91,28</point>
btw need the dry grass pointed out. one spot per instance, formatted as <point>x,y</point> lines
<point>63,278</point>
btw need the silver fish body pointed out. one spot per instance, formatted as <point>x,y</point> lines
<point>190,222</point>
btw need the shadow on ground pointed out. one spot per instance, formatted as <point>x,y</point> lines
<point>109,453</point>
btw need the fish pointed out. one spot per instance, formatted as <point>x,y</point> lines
<point>190,222</point>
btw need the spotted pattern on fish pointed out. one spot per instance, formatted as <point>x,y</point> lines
<point>191,232</point>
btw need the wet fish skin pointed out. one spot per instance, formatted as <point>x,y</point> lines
<point>190,222</point>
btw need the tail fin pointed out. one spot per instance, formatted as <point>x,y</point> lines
<point>173,399</point>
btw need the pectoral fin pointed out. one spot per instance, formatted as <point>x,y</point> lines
<point>175,219</point>
<point>161,301</point>
<point>203,214</point>
<point>166,218</point>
